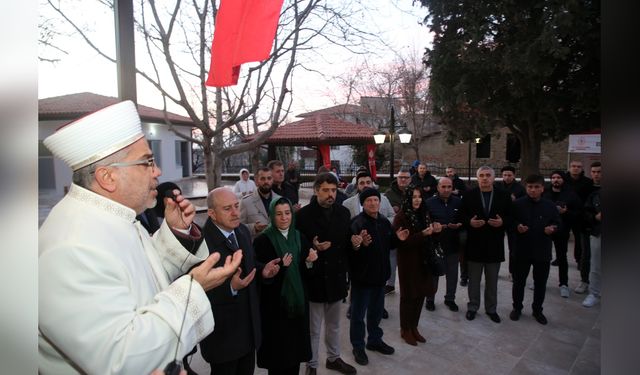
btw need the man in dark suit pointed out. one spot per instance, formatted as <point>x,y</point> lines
<point>230,349</point>
<point>486,213</point>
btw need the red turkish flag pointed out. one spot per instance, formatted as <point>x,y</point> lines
<point>371,157</point>
<point>244,32</point>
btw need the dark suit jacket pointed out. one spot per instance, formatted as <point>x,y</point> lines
<point>237,319</point>
<point>486,244</point>
<point>534,244</point>
<point>149,221</point>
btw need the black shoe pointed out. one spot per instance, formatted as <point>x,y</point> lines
<point>540,318</point>
<point>341,366</point>
<point>388,289</point>
<point>494,317</point>
<point>430,305</point>
<point>360,356</point>
<point>381,347</point>
<point>554,262</point>
<point>464,282</point>
<point>471,315</point>
<point>385,314</point>
<point>452,305</point>
<point>515,315</point>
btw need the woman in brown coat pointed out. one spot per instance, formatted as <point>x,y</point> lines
<point>415,279</point>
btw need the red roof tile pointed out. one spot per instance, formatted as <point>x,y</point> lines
<point>73,106</point>
<point>320,129</point>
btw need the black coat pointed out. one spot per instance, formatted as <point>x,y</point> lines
<point>445,213</point>
<point>428,181</point>
<point>237,318</point>
<point>327,280</point>
<point>569,199</point>
<point>369,265</point>
<point>485,244</point>
<point>583,186</point>
<point>534,244</point>
<point>285,341</point>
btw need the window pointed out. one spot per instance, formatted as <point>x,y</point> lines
<point>154,145</point>
<point>333,147</point>
<point>46,172</point>
<point>513,149</point>
<point>483,149</point>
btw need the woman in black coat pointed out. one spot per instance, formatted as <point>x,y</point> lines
<point>283,300</point>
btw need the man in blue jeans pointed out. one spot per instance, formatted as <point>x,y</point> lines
<point>372,238</point>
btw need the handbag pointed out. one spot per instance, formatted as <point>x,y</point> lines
<point>435,259</point>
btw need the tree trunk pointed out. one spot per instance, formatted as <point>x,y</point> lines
<point>530,157</point>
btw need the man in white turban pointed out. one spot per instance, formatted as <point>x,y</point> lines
<point>111,298</point>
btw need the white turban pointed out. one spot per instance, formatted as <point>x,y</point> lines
<point>96,136</point>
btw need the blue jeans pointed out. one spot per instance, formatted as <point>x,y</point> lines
<point>369,301</point>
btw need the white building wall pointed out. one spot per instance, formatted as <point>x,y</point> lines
<point>152,131</point>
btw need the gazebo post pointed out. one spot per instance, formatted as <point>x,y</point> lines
<point>271,152</point>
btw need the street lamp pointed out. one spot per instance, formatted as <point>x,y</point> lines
<point>403,133</point>
<point>469,172</point>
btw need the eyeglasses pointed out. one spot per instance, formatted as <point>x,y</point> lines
<point>150,162</point>
<point>404,177</point>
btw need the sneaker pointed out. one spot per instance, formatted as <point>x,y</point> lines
<point>464,282</point>
<point>360,356</point>
<point>581,288</point>
<point>540,318</point>
<point>564,291</point>
<point>591,300</point>
<point>381,347</point>
<point>341,366</point>
<point>388,289</point>
<point>429,305</point>
<point>385,314</point>
<point>451,305</point>
<point>515,314</point>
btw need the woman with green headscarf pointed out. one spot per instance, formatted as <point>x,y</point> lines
<point>283,300</point>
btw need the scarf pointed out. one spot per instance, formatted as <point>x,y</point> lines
<point>418,218</point>
<point>292,292</point>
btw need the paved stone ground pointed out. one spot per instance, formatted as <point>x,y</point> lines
<point>569,344</point>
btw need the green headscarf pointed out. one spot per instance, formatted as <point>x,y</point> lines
<point>292,292</point>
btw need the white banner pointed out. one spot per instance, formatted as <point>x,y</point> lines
<point>585,143</point>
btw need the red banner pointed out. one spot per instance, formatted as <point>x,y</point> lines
<point>244,32</point>
<point>325,152</point>
<point>371,156</point>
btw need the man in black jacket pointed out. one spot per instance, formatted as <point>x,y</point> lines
<point>459,187</point>
<point>575,180</point>
<point>372,238</point>
<point>516,191</point>
<point>425,180</point>
<point>485,213</point>
<point>326,224</point>
<point>569,207</point>
<point>231,348</point>
<point>593,220</point>
<point>535,220</point>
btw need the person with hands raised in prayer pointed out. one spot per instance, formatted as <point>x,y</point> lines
<point>283,299</point>
<point>231,348</point>
<point>372,238</point>
<point>99,264</point>
<point>536,220</point>
<point>485,212</point>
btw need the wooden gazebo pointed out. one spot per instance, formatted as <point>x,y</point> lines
<point>319,131</point>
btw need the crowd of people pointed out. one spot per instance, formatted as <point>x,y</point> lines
<point>137,287</point>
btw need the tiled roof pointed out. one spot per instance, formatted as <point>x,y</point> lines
<point>320,129</point>
<point>73,106</point>
<point>337,110</point>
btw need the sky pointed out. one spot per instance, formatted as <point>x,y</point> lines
<point>83,70</point>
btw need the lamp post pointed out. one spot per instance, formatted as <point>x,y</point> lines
<point>477,140</point>
<point>403,133</point>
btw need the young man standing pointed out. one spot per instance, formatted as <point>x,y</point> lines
<point>535,220</point>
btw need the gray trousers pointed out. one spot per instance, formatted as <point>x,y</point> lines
<point>491,271</point>
<point>595,273</point>
<point>330,313</point>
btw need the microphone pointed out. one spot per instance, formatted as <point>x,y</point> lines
<point>174,367</point>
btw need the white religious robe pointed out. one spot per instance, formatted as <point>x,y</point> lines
<point>108,298</point>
